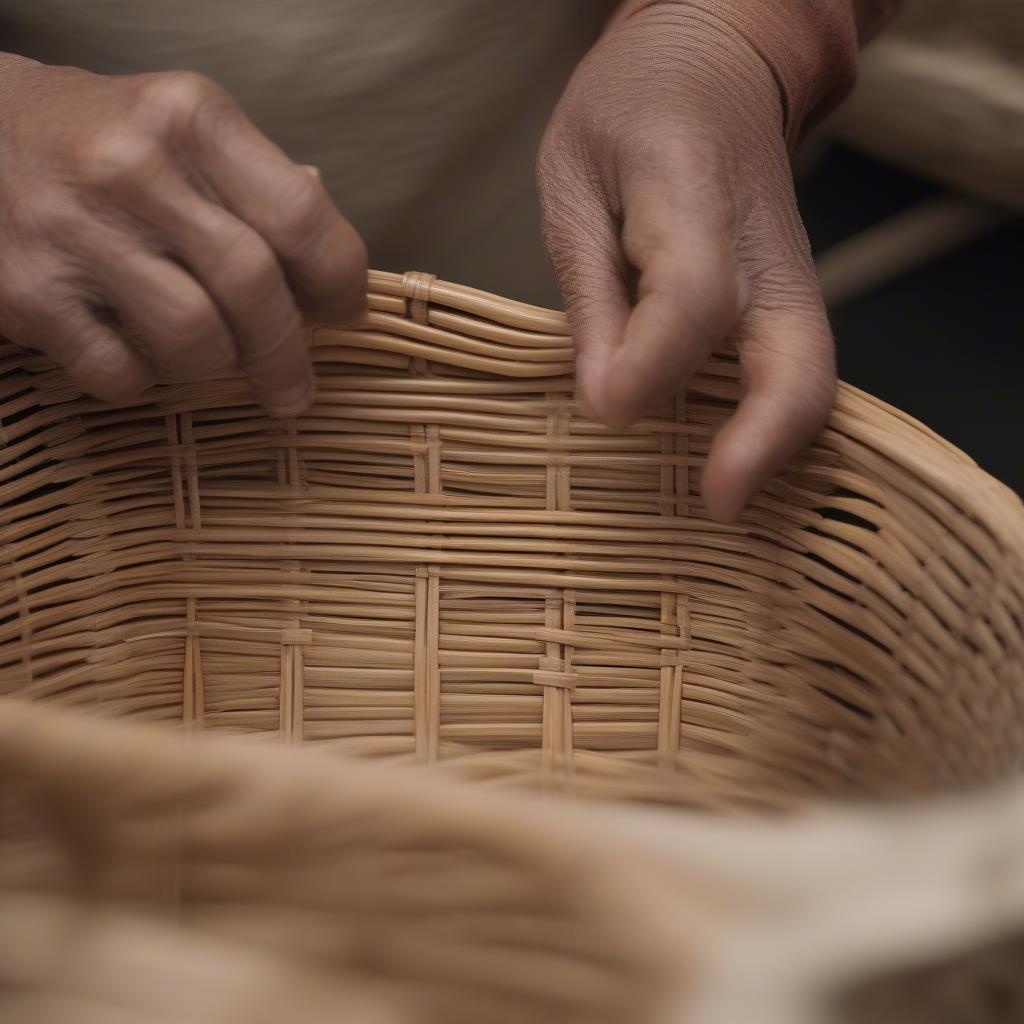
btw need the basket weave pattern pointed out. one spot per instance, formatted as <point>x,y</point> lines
<point>445,562</point>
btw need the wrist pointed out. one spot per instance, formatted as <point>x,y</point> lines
<point>810,48</point>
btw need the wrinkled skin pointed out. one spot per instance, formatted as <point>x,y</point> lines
<point>148,229</point>
<point>670,219</point>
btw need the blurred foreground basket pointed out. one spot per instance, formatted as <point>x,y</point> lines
<point>445,565</point>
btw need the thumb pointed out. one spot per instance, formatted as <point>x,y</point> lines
<point>788,362</point>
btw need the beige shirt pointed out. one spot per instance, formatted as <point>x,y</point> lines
<point>422,115</point>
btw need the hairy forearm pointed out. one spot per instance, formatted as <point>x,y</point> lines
<point>809,45</point>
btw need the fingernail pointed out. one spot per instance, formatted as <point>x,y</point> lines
<point>293,402</point>
<point>310,169</point>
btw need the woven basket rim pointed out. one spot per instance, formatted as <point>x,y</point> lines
<point>901,437</point>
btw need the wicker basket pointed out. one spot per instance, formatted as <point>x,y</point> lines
<point>444,563</point>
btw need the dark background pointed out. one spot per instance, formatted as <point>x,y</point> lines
<point>945,342</point>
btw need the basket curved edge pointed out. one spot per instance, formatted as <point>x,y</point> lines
<point>888,430</point>
<point>923,495</point>
<point>507,337</point>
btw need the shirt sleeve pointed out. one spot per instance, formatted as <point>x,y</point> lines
<point>811,46</point>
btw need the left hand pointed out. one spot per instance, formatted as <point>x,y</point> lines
<point>670,220</point>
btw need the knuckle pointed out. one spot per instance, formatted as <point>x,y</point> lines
<point>190,319</point>
<point>173,322</point>
<point>119,156</point>
<point>176,94</point>
<point>252,269</point>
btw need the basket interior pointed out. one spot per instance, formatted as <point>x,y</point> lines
<point>445,562</point>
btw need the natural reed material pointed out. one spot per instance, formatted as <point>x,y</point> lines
<point>147,877</point>
<point>445,563</point>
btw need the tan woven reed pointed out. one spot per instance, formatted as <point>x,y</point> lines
<point>445,563</point>
<point>146,877</point>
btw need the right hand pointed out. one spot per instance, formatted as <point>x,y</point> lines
<point>147,228</point>
<point>671,223</point>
